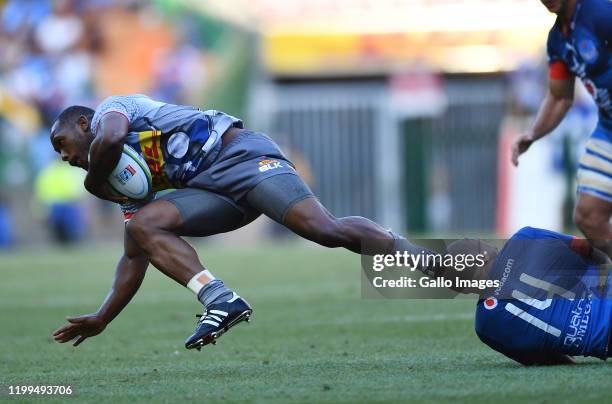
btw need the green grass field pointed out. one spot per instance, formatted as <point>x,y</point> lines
<point>312,339</point>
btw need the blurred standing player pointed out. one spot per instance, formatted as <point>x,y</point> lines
<point>226,176</point>
<point>580,45</point>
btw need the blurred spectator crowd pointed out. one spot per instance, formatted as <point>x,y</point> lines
<point>57,53</point>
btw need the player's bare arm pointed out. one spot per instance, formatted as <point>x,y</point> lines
<point>130,272</point>
<point>559,99</point>
<point>105,152</point>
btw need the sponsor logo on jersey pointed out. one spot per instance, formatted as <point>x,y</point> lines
<point>586,49</point>
<point>267,165</point>
<point>505,275</point>
<point>490,303</point>
<point>124,176</point>
<point>150,143</point>
<point>578,324</point>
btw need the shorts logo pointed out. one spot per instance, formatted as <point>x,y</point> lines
<point>490,303</point>
<point>267,165</point>
<point>124,176</point>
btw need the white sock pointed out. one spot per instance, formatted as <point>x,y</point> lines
<point>196,284</point>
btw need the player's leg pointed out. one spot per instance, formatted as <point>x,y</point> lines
<point>310,219</point>
<point>157,229</point>
<point>594,206</point>
<point>592,216</point>
<point>287,199</point>
<point>252,168</point>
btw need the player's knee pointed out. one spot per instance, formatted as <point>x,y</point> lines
<point>137,229</point>
<point>157,217</point>
<point>142,227</point>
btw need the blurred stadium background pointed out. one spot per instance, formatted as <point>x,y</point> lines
<point>399,110</point>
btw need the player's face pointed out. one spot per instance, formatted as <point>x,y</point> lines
<point>72,144</point>
<point>554,6</point>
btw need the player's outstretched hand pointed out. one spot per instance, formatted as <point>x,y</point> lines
<point>81,328</point>
<point>105,192</point>
<point>520,146</point>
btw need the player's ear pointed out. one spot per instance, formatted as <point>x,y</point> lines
<point>83,123</point>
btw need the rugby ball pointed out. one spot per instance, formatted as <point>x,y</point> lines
<point>131,177</point>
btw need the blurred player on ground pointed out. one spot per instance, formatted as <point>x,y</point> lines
<point>226,176</point>
<point>579,46</point>
<point>551,302</point>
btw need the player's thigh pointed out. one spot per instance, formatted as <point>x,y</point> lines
<point>287,199</point>
<point>592,208</point>
<point>201,213</point>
